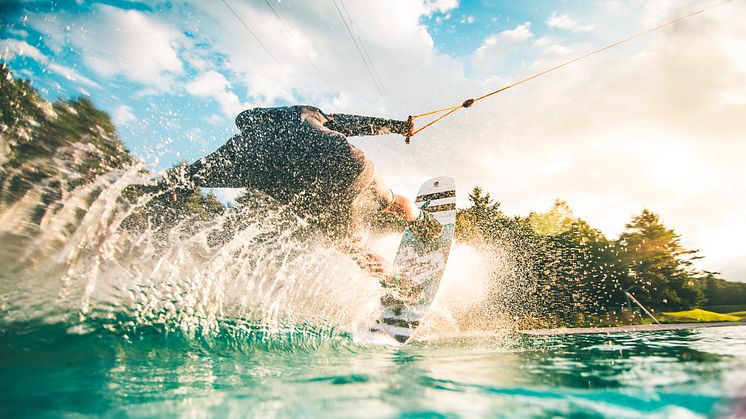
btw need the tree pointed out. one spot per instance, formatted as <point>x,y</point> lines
<point>170,201</point>
<point>658,265</point>
<point>719,292</point>
<point>593,271</point>
<point>559,219</point>
<point>472,223</point>
<point>51,148</point>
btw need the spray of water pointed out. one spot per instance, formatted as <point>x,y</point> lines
<point>470,297</point>
<point>82,264</point>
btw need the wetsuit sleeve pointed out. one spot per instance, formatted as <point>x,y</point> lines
<point>224,168</point>
<point>355,125</point>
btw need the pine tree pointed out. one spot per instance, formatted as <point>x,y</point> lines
<point>473,222</point>
<point>559,219</point>
<point>594,272</point>
<point>658,265</point>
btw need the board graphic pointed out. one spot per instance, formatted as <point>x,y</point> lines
<point>419,265</point>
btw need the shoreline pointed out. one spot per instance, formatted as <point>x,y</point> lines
<point>625,329</point>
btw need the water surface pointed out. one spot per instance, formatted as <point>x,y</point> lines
<point>47,370</point>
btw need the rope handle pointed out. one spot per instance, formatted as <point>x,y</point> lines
<point>410,129</point>
<point>411,132</point>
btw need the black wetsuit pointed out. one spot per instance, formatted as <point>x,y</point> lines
<point>297,155</point>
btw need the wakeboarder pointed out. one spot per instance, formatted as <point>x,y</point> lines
<point>301,157</point>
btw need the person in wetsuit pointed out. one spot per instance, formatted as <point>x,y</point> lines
<point>300,156</point>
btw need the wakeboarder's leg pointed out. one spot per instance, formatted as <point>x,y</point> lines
<point>377,265</point>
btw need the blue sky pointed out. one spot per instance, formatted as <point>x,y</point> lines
<point>646,125</point>
<point>460,31</point>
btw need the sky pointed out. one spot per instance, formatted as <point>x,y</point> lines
<point>656,123</point>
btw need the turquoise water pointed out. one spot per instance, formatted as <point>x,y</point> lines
<point>50,370</point>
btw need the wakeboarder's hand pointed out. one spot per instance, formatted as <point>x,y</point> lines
<point>377,265</point>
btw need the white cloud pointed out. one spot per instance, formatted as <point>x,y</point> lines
<point>72,75</point>
<point>216,119</point>
<point>392,33</point>
<point>559,21</point>
<point>119,42</point>
<point>214,85</point>
<point>493,51</point>
<point>614,7</point>
<point>543,42</point>
<point>441,6</point>
<point>519,33</point>
<point>549,47</point>
<point>13,48</point>
<point>556,49</point>
<point>467,19</point>
<point>123,115</point>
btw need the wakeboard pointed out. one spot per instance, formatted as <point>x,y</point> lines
<point>419,265</point>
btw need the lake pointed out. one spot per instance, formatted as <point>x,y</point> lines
<point>51,370</point>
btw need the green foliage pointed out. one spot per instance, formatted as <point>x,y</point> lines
<point>473,222</point>
<point>567,271</point>
<point>20,109</point>
<point>169,201</point>
<point>556,221</point>
<point>55,148</point>
<point>585,264</point>
<point>52,147</point>
<point>719,292</point>
<point>658,265</point>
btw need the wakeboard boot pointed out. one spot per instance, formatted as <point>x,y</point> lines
<point>399,290</point>
<point>426,227</point>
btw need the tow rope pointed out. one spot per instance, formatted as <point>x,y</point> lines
<point>469,102</point>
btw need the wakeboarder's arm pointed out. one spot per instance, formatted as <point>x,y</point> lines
<point>356,125</point>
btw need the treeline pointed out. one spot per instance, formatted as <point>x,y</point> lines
<point>51,148</point>
<point>567,268</point>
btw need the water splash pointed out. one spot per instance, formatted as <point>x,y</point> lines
<point>81,265</point>
<point>248,274</point>
<point>470,295</point>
